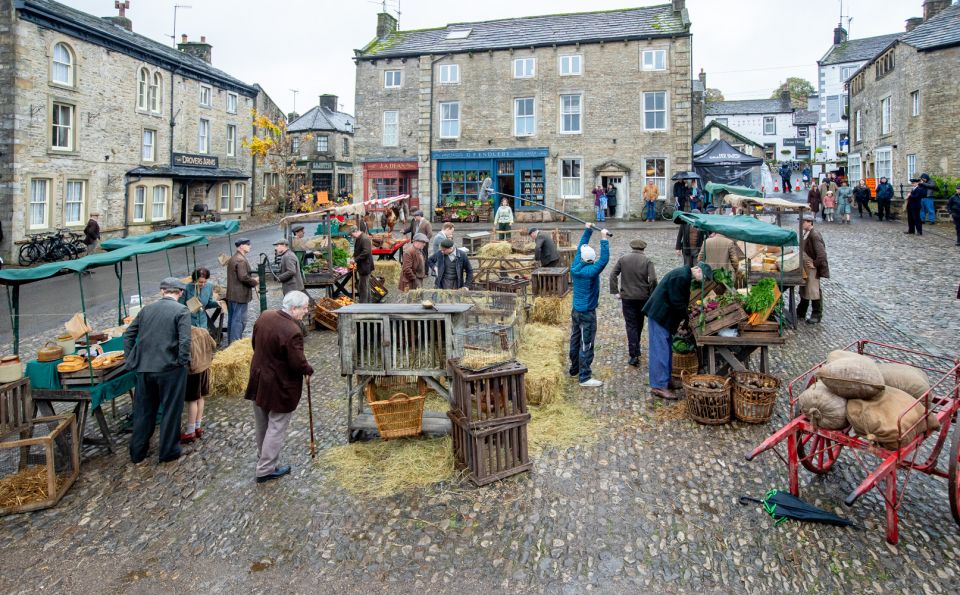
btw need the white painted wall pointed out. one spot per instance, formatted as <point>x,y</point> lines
<point>831,84</point>
<point>751,126</point>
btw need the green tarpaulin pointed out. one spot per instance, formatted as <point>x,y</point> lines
<point>740,227</point>
<point>713,188</point>
<point>209,230</point>
<point>22,276</point>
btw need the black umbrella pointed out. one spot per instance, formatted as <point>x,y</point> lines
<point>685,175</point>
<point>782,506</point>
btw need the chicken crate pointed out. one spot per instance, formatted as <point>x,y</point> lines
<point>515,285</point>
<point>567,253</point>
<point>550,281</point>
<point>16,407</point>
<point>493,396</point>
<point>485,346</point>
<point>491,453</point>
<point>38,469</point>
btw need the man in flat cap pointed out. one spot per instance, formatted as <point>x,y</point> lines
<point>452,267</point>
<point>240,284</point>
<point>413,270</point>
<point>545,251</point>
<point>289,274</point>
<point>363,260</point>
<point>156,346</point>
<point>634,278</point>
<point>816,265</point>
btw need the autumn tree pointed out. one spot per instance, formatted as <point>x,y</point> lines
<point>798,88</point>
<point>713,95</point>
<point>272,147</point>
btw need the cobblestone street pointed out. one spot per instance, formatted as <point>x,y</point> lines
<point>649,507</point>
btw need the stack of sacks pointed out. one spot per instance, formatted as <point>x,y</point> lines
<point>853,389</point>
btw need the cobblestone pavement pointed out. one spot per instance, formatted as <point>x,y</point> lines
<point>652,506</point>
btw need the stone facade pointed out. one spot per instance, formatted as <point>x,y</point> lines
<point>323,140</point>
<point>8,111</point>
<point>265,181</point>
<point>612,142</point>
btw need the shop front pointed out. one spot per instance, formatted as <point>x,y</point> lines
<point>516,172</point>
<point>383,179</point>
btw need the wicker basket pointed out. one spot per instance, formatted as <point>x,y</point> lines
<point>400,416</point>
<point>685,362</point>
<point>754,405</point>
<point>710,406</point>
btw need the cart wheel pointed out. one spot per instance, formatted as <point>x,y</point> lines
<point>953,474</point>
<point>823,452</point>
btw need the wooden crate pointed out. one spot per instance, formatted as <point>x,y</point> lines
<point>718,319</point>
<point>473,241</point>
<point>50,456</point>
<point>713,286</point>
<point>318,279</point>
<point>491,453</point>
<point>82,377</point>
<point>16,407</point>
<point>764,329</point>
<point>550,281</point>
<point>509,285</point>
<point>324,313</point>
<point>566,255</point>
<point>494,396</point>
<point>561,237</point>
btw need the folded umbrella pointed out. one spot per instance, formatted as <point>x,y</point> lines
<point>782,506</point>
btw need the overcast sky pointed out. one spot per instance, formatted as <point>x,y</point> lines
<point>747,47</point>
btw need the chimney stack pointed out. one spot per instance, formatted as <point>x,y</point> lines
<point>703,79</point>
<point>329,102</point>
<point>121,19</point>
<point>932,7</point>
<point>679,5</point>
<point>785,99</point>
<point>839,35</point>
<point>292,116</point>
<point>912,23</point>
<point>386,24</point>
<point>198,49</point>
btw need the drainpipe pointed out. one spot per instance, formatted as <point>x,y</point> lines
<point>430,142</point>
<point>126,201</point>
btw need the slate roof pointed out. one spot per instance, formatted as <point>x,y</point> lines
<point>728,130</point>
<point>943,30</point>
<point>561,29</point>
<point>746,106</point>
<point>856,50</point>
<point>321,118</point>
<point>804,117</point>
<point>53,15</point>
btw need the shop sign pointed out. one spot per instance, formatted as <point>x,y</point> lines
<point>795,142</point>
<point>187,160</point>
<point>493,154</point>
<point>390,165</point>
<point>321,165</point>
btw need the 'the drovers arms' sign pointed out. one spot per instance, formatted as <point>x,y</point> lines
<point>184,159</point>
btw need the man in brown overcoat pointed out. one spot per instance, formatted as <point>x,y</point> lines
<point>240,284</point>
<point>363,259</point>
<point>276,379</point>
<point>413,269</point>
<point>633,278</point>
<point>816,267</point>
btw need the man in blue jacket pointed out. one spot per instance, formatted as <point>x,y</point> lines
<point>585,271</point>
<point>884,197</point>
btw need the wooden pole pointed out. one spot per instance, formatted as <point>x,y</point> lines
<point>313,443</point>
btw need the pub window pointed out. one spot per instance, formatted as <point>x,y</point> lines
<point>225,196</point>
<point>769,125</point>
<point>295,145</point>
<point>61,71</point>
<point>158,211</point>
<point>203,136</point>
<point>139,204</point>
<point>61,127</point>
<point>73,202</point>
<point>239,196</point>
<point>323,143</point>
<point>39,203</point>
<point>457,187</point>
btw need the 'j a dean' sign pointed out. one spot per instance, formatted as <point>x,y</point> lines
<point>187,160</point>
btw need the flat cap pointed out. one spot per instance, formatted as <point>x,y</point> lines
<point>297,228</point>
<point>706,269</point>
<point>281,242</point>
<point>418,213</point>
<point>533,230</point>
<point>638,244</point>
<point>448,243</point>
<point>423,238</point>
<point>172,283</point>
<point>925,177</point>
<point>241,241</point>
<point>808,217</point>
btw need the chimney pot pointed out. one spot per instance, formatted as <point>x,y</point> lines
<point>329,102</point>
<point>679,5</point>
<point>932,7</point>
<point>839,35</point>
<point>913,22</point>
<point>386,24</point>
<point>203,39</point>
<point>183,38</point>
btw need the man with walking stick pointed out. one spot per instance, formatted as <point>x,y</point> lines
<point>276,380</point>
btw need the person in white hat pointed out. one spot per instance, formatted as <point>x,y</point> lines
<point>585,272</point>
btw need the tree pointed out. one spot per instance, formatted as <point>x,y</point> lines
<point>272,146</point>
<point>799,89</point>
<point>713,95</point>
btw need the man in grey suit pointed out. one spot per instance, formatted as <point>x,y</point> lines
<point>156,346</point>
<point>289,274</point>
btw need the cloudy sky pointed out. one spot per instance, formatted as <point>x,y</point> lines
<point>747,47</point>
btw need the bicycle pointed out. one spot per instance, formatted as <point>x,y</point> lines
<point>663,211</point>
<point>62,244</point>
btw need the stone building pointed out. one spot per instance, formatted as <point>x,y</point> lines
<point>905,104</point>
<point>717,131</point>
<point>767,122</point>
<point>265,181</point>
<point>323,140</point>
<point>97,118</point>
<point>547,106</point>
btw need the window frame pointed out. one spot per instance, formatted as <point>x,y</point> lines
<point>570,59</point>
<point>228,197</point>
<point>532,60</point>
<point>82,210</point>
<point>154,93</point>
<point>203,140</point>
<point>531,117</point>
<point>395,125</point>
<point>71,66</point>
<point>139,191</point>
<point>886,113</point>
<point>855,163</point>
<point>345,146</point>
<point>915,103</point>
<point>295,144</point>
<point>239,199</point>
<point>231,140</point>
<point>398,74</point>
<point>47,182</point>
<point>563,113</point>
<point>444,105</point>
<point>662,188</point>
<point>209,96</point>
<point>448,68</point>
<point>143,83</point>
<point>143,145</point>
<point>653,52</point>
<point>564,179</point>
<point>666,103</point>
<point>770,120</point>
<point>888,151</point>
<point>71,127</point>
<point>911,166</point>
<point>234,99</point>
<point>153,203</point>
<point>722,121</point>
<point>857,127</point>
<point>326,143</point>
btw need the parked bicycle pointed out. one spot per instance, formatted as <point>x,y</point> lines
<point>63,244</point>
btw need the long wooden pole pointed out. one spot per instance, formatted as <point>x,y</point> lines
<point>313,443</point>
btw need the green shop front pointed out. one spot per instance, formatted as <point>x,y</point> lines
<point>460,173</point>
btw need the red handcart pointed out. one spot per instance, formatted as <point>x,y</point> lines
<point>818,449</point>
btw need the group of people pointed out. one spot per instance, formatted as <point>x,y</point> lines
<point>604,201</point>
<point>833,202</point>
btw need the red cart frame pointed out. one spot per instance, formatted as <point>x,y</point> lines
<point>818,449</point>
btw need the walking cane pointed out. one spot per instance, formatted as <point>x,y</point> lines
<point>486,190</point>
<point>313,443</point>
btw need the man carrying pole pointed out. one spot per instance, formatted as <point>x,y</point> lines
<point>585,272</point>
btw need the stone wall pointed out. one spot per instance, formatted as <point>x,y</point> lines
<point>8,108</point>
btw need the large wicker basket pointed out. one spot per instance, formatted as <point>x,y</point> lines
<point>751,404</point>
<point>399,416</point>
<point>685,362</point>
<point>710,406</point>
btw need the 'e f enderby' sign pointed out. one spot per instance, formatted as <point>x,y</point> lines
<point>187,160</point>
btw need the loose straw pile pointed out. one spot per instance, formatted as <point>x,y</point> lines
<point>552,310</point>
<point>27,487</point>
<point>230,369</point>
<point>383,468</point>
<point>495,250</point>
<point>542,352</point>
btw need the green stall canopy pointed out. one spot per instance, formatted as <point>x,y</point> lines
<point>212,229</point>
<point>713,188</point>
<point>44,271</point>
<point>740,227</point>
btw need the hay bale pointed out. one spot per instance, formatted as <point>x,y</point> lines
<point>495,250</point>
<point>389,270</point>
<point>230,370</point>
<point>542,351</point>
<point>383,468</point>
<point>552,310</point>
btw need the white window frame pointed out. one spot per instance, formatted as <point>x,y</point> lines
<point>660,180</point>
<point>148,150</point>
<point>568,181</point>
<point>224,203</point>
<point>161,193</point>
<point>566,111</point>
<point>888,173</point>
<point>911,166</point>
<point>56,125</point>
<point>392,79</point>
<point>857,130</point>
<point>154,92</point>
<point>239,196</point>
<point>391,128</point>
<point>449,126</point>
<point>345,147</point>
<point>67,66</point>
<point>206,96</point>
<point>570,65</point>
<point>203,136</point>
<point>885,116</point>
<point>449,74</point>
<point>854,168</point>
<point>772,120</point>
<point>651,64</point>
<point>325,147</point>
<point>846,72</point>
<point>666,103</point>
<point>524,124</point>
<point>270,180</point>
<point>70,199</point>
<point>231,140</point>
<point>723,121</point>
<point>34,203</point>
<point>140,202</point>
<point>525,68</point>
<point>232,101</point>
<point>915,103</point>
<point>143,81</point>
<point>295,145</point>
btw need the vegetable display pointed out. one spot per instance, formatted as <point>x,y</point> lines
<point>723,277</point>
<point>761,296</point>
<point>681,346</point>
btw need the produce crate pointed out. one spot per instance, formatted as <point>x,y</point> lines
<point>318,278</point>
<point>16,407</point>
<point>711,286</point>
<point>764,329</point>
<point>378,290</point>
<point>491,453</point>
<point>82,377</point>
<point>36,472</point>
<point>324,313</point>
<point>494,396</point>
<point>550,281</point>
<point>718,319</point>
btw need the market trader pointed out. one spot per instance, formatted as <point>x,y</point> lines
<point>156,346</point>
<point>452,267</point>
<point>240,284</point>
<point>363,259</point>
<point>289,274</point>
<point>585,272</point>
<point>545,251</point>
<point>665,310</point>
<point>633,277</point>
